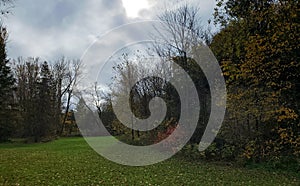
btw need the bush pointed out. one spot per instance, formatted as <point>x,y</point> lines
<point>286,164</point>
<point>6,129</point>
<point>191,152</point>
<point>214,152</point>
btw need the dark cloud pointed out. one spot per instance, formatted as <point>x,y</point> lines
<point>51,29</point>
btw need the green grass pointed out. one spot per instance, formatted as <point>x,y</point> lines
<point>70,161</point>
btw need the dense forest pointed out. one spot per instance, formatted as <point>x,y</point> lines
<point>257,47</point>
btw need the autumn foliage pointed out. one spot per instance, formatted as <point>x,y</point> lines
<point>258,49</point>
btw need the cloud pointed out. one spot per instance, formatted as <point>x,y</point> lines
<point>206,7</point>
<point>50,29</point>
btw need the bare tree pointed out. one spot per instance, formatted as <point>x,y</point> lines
<point>59,73</point>
<point>181,30</point>
<point>27,76</point>
<point>130,79</point>
<point>180,33</point>
<point>125,73</point>
<point>71,75</point>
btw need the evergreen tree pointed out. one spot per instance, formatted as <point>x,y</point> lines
<point>6,90</point>
<point>46,107</point>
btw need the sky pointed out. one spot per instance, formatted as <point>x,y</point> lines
<point>50,29</point>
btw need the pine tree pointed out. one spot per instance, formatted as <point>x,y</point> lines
<point>6,90</point>
<point>45,115</point>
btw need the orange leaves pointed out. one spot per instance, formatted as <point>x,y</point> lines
<point>170,142</point>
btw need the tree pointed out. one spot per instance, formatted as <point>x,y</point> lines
<point>180,33</point>
<point>272,63</point>
<point>72,75</point>
<point>46,105</point>
<point>59,75</point>
<point>6,90</point>
<point>128,80</point>
<point>40,90</point>
<point>126,73</point>
<point>37,100</point>
<point>257,51</point>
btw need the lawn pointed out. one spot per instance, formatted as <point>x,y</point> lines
<point>70,161</point>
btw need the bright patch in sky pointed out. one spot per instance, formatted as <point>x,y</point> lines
<point>133,7</point>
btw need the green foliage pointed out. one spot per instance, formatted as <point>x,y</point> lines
<point>216,152</point>
<point>225,152</point>
<point>6,129</point>
<point>212,152</point>
<point>191,152</point>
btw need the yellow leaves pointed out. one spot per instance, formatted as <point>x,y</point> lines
<point>287,139</point>
<point>285,114</point>
<point>297,146</point>
<point>261,67</point>
<point>249,150</point>
<point>283,134</point>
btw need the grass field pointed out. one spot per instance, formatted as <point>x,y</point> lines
<point>70,161</point>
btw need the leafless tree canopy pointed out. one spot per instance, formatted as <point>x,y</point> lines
<point>180,31</point>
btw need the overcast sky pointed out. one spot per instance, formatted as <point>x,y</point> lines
<point>50,29</point>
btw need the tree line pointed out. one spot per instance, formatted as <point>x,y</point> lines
<point>36,96</point>
<point>257,48</point>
